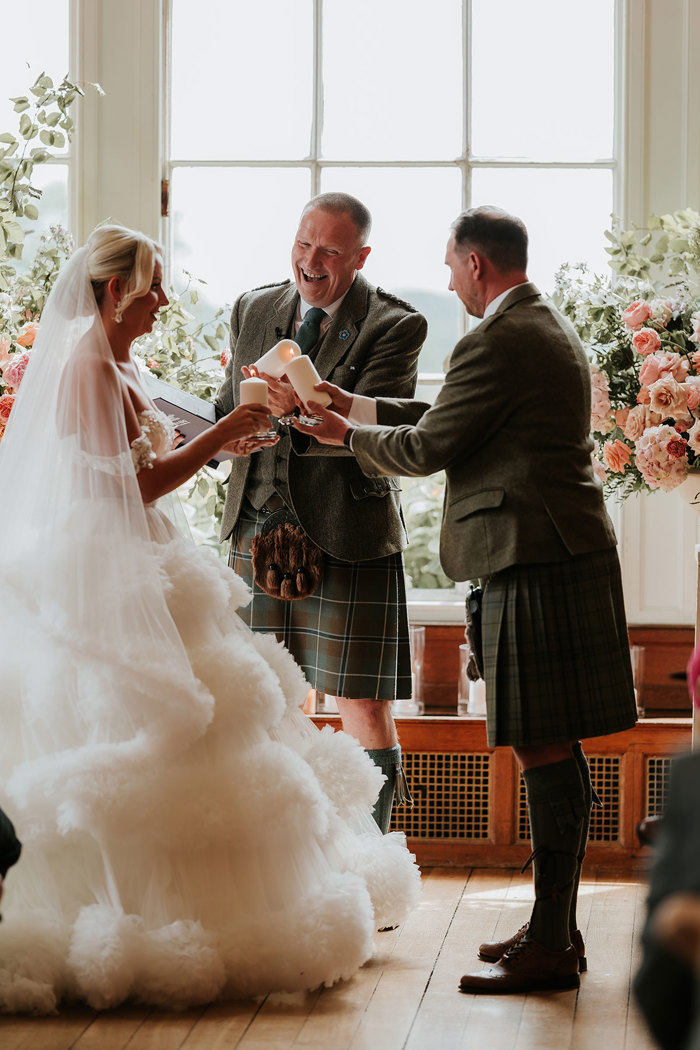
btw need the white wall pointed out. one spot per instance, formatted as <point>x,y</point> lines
<point>119,150</point>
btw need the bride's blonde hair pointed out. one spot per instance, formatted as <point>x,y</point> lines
<point>116,251</point>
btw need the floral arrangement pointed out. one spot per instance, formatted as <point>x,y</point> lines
<point>641,327</point>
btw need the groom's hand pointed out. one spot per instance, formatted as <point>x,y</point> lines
<point>246,446</point>
<point>330,431</point>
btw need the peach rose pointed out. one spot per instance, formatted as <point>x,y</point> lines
<point>646,341</point>
<point>4,351</point>
<point>225,356</point>
<point>643,396</point>
<point>598,469</point>
<point>28,334</point>
<point>694,437</point>
<point>636,314</point>
<point>13,372</point>
<point>636,422</point>
<point>620,416</point>
<point>601,412</point>
<point>6,403</point>
<point>616,455</point>
<point>668,397</point>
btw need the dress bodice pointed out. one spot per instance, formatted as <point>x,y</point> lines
<point>157,433</point>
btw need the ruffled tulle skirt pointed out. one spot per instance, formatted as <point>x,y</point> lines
<point>188,834</point>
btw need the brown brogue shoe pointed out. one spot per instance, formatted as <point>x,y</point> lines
<point>526,967</point>
<point>491,951</point>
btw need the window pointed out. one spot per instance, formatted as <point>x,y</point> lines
<point>418,109</point>
<point>47,51</point>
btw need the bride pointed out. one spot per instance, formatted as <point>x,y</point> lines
<point>188,834</point>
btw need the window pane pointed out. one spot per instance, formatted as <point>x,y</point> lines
<point>412,209</point>
<point>390,68</point>
<point>550,93</point>
<point>234,227</point>
<point>242,76</point>
<point>565,212</point>
<point>52,180</point>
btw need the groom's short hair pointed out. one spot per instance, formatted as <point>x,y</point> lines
<point>501,237</point>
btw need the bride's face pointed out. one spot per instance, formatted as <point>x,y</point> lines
<point>140,315</point>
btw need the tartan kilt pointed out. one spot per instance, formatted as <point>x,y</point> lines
<point>350,637</point>
<point>556,652</point>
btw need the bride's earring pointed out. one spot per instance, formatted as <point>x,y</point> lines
<point>118,314</point>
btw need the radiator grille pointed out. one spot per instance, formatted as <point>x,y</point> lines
<point>605,822</point>
<point>451,795</point>
<point>658,771</point>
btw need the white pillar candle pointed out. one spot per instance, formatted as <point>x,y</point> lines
<point>275,361</point>
<point>303,377</point>
<point>253,392</point>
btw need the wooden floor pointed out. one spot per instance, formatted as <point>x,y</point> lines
<point>407,997</point>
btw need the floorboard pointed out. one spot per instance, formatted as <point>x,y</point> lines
<point>406,997</point>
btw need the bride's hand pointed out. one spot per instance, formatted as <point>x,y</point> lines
<point>244,422</point>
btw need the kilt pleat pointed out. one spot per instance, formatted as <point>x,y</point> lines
<point>556,652</point>
<point>350,637</point>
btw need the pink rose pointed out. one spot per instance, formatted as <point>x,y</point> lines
<point>598,469</point>
<point>225,356</point>
<point>694,437</point>
<point>616,455</point>
<point>28,334</point>
<point>621,416</point>
<point>663,364</point>
<point>668,397</point>
<point>658,467</point>
<point>692,389</point>
<point>643,396</point>
<point>662,310</point>
<point>646,341</point>
<point>13,373</point>
<point>6,403</point>
<point>601,412</point>
<point>636,314</point>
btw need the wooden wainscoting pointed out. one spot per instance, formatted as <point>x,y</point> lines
<point>663,691</point>
<point>470,799</point>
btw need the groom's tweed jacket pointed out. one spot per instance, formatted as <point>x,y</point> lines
<point>511,428</point>
<point>371,347</point>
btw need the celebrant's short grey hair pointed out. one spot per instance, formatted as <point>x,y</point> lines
<point>344,203</point>
<point>501,237</point>
<point>116,251</point>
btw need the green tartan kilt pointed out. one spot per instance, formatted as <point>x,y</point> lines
<point>556,652</point>
<point>351,636</point>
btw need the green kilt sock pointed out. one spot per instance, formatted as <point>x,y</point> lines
<point>590,798</point>
<point>556,806</point>
<point>388,759</point>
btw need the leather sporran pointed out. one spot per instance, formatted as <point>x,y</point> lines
<point>286,563</point>
<point>475,667</point>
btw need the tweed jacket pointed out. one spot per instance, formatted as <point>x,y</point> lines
<point>511,428</point>
<point>371,347</point>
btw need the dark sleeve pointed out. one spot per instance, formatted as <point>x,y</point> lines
<point>10,846</point>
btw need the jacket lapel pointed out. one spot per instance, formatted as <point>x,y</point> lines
<point>343,330</point>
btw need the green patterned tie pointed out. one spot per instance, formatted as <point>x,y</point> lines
<point>310,329</point>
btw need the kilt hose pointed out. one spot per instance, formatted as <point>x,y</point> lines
<point>556,652</point>
<point>350,637</point>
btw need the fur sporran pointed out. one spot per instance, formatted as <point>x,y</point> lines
<point>286,563</point>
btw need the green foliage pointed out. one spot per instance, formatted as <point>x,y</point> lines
<point>422,501</point>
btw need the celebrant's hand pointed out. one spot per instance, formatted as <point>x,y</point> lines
<point>246,446</point>
<point>342,400</point>
<point>332,428</point>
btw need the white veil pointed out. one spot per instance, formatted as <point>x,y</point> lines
<point>84,600</point>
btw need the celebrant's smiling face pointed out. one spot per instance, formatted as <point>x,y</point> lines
<point>326,255</point>
<point>140,315</point>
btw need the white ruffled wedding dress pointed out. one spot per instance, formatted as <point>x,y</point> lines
<point>188,834</point>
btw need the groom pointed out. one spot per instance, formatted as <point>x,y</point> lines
<point>524,512</point>
<point>350,637</point>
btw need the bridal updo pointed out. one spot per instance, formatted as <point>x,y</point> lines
<point>116,251</point>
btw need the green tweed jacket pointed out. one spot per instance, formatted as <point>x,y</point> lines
<point>371,347</point>
<point>511,428</point>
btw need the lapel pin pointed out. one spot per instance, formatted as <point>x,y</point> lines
<point>344,334</point>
